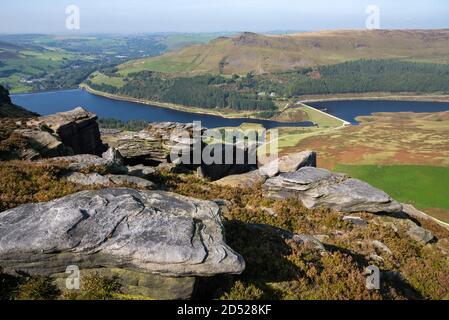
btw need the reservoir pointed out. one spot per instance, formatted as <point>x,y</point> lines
<point>57,101</point>
<point>46,103</point>
<point>349,110</point>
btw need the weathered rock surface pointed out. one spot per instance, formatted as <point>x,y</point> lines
<point>140,284</point>
<point>113,156</point>
<point>289,163</point>
<point>411,228</point>
<point>415,213</point>
<point>381,246</point>
<point>85,161</point>
<point>77,129</point>
<point>229,160</point>
<point>150,232</point>
<point>355,220</point>
<point>9,110</point>
<point>308,240</point>
<point>90,179</point>
<point>321,188</point>
<point>41,144</point>
<point>95,179</point>
<point>153,145</point>
<point>246,180</point>
<point>140,171</point>
<point>418,233</point>
<point>301,239</point>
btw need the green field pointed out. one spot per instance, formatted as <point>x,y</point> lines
<point>98,77</point>
<point>426,187</point>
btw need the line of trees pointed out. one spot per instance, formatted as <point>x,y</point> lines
<point>361,76</point>
<point>205,91</point>
<point>245,92</point>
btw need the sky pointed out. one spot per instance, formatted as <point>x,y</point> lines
<point>146,16</point>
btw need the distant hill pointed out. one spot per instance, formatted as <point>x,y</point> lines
<point>250,52</point>
<point>7,109</point>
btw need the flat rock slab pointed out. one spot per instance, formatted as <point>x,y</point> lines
<point>289,163</point>
<point>145,231</point>
<point>322,188</point>
<point>95,179</point>
<point>85,161</point>
<point>246,180</point>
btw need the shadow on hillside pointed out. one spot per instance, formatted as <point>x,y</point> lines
<point>264,251</point>
<point>392,283</point>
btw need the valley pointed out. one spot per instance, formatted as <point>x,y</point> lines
<point>360,120</point>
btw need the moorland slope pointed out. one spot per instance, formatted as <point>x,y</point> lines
<point>250,52</point>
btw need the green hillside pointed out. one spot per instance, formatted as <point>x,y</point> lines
<point>260,54</point>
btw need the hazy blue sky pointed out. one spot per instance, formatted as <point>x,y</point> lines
<point>133,16</point>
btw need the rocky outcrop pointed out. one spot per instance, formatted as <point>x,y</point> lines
<point>357,221</point>
<point>9,110</point>
<point>418,233</point>
<point>40,144</point>
<point>83,162</point>
<point>417,214</point>
<point>77,129</point>
<point>232,159</point>
<point>110,180</point>
<point>153,145</point>
<point>289,163</point>
<point>308,241</point>
<point>143,231</point>
<point>91,179</point>
<point>140,171</point>
<point>408,226</point>
<point>246,180</point>
<point>321,188</point>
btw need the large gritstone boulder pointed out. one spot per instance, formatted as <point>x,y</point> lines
<point>321,188</point>
<point>227,160</point>
<point>154,145</point>
<point>289,163</point>
<point>146,233</point>
<point>77,129</point>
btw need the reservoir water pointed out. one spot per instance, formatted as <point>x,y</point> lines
<point>349,110</point>
<point>46,103</point>
<point>51,102</point>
